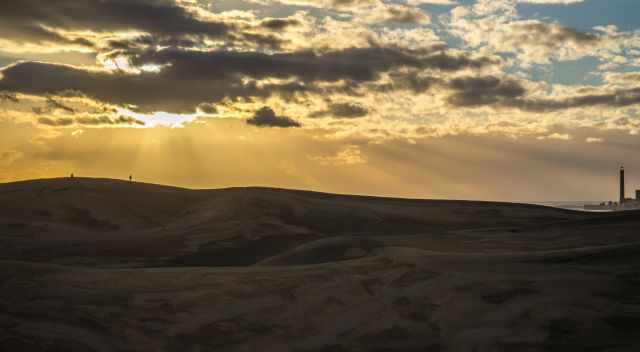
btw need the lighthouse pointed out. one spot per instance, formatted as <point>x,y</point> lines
<point>622,197</point>
<point>623,204</point>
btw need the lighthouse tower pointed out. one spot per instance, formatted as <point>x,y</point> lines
<point>622,197</point>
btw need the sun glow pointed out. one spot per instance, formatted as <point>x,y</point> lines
<point>160,118</point>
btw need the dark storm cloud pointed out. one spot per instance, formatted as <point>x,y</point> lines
<point>266,117</point>
<point>190,78</point>
<point>29,20</point>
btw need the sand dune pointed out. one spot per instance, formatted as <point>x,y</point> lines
<point>103,222</point>
<point>104,265</point>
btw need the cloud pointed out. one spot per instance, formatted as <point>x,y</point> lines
<point>8,96</point>
<point>496,26</point>
<point>404,14</point>
<point>59,122</point>
<point>510,93</point>
<point>107,28</point>
<point>560,136</point>
<point>42,20</point>
<point>278,24</point>
<point>344,59</point>
<point>189,78</point>
<point>347,110</point>
<point>266,117</point>
<point>432,2</point>
<point>594,140</point>
<point>551,2</point>
<point>488,90</point>
<point>209,109</point>
<point>371,11</point>
<point>615,99</point>
<point>550,35</point>
<point>90,121</point>
<point>53,104</point>
<point>350,155</point>
<point>8,157</point>
<point>357,64</point>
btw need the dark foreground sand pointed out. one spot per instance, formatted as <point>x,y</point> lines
<point>103,265</point>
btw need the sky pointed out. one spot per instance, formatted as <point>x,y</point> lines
<point>512,100</point>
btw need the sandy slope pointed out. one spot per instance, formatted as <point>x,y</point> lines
<point>106,265</point>
<point>106,222</point>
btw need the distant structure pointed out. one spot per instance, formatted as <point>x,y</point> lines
<point>623,203</point>
<point>71,175</point>
<point>622,193</point>
<point>130,178</point>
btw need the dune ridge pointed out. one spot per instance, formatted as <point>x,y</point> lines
<point>107,265</point>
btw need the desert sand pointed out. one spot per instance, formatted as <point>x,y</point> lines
<point>106,265</point>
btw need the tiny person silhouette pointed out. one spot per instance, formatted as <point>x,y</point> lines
<point>130,178</point>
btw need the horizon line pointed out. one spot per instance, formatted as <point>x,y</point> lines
<point>147,183</point>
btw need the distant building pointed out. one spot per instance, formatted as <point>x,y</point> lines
<point>623,203</point>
